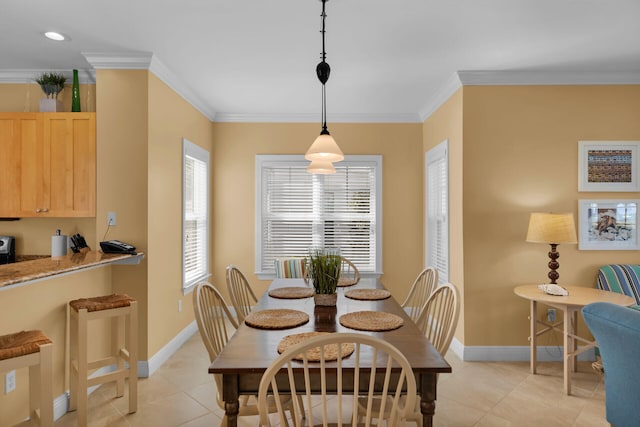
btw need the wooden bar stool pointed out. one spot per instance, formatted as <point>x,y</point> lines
<point>35,350</point>
<point>118,307</point>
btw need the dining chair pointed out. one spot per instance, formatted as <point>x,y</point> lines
<point>215,323</point>
<point>422,287</point>
<point>242,296</point>
<point>437,320</point>
<point>296,364</point>
<point>349,274</point>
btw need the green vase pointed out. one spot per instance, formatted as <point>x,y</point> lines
<point>75,93</point>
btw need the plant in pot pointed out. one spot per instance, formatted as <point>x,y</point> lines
<point>324,271</point>
<point>51,84</point>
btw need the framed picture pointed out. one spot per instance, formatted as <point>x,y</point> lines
<point>608,166</point>
<point>608,225</point>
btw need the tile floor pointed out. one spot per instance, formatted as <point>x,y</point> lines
<point>477,394</point>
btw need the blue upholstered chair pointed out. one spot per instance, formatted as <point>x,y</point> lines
<point>621,278</point>
<point>617,331</point>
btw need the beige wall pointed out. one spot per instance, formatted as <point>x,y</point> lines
<point>233,169</point>
<point>26,97</point>
<point>446,124</point>
<point>171,118</point>
<point>521,155</point>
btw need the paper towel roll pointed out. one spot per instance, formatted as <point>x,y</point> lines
<point>58,246</point>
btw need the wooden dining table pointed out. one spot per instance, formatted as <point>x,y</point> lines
<point>250,351</point>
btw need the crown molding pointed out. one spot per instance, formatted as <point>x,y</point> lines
<point>29,76</point>
<point>119,60</point>
<point>313,118</point>
<point>174,82</point>
<point>441,96</point>
<point>524,78</point>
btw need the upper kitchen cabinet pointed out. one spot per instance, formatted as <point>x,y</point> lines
<point>51,164</point>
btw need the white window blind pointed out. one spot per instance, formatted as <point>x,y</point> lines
<point>195,220</point>
<point>437,210</point>
<point>297,210</point>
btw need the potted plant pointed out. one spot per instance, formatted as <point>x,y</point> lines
<point>51,84</point>
<point>324,271</point>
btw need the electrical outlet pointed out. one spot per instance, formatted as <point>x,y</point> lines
<point>179,306</point>
<point>111,218</point>
<point>551,314</point>
<point>9,382</point>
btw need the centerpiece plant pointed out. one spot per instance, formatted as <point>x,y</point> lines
<point>324,271</point>
<point>51,83</point>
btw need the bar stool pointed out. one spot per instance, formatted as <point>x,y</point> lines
<point>119,308</point>
<point>35,350</point>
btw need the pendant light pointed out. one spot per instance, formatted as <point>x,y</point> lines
<point>324,151</point>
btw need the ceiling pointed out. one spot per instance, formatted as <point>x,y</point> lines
<point>390,60</point>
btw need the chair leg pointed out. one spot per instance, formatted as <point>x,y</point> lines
<point>82,382</point>
<point>133,357</point>
<point>46,385</point>
<point>73,371</point>
<point>119,344</point>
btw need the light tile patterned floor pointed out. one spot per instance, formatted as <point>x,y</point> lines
<point>477,394</point>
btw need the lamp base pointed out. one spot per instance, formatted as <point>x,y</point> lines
<point>554,264</point>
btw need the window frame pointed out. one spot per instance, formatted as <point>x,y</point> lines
<point>286,160</point>
<point>439,153</point>
<point>190,149</point>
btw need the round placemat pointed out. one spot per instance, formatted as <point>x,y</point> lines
<point>371,321</point>
<point>292,292</point>
<point>367,294</point>
<point>281,318</point>
<point>313,354</point>
<point>347,281</point>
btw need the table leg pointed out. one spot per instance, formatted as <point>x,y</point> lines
<point>567,345</point>
<point>532,336</point>
<point>574,332</point>
<point>230,397</point>
<point>428,384</point>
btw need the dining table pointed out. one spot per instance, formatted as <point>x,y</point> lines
<point>250,351</point>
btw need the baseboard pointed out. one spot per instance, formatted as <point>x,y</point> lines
<point>512,353</point>
<point>146,368</point>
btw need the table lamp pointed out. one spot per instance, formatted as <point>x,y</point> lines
<point>552,228</point>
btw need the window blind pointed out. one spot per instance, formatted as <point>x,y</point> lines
<point>438,211</point>
<point>195,214</point>
<point>299,210</point>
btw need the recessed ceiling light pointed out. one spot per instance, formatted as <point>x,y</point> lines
<point>56,36</point>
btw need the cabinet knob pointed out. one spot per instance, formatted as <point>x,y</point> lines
<point>42,210</point>
<point>38,210</point>
<point>45,210</point>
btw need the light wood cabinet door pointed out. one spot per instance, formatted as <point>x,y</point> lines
<point>47,165</point>
<point>21,146</point>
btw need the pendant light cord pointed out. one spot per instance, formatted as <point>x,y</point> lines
<point>323,70</point>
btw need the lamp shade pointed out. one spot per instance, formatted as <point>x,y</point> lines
<point>325,149</point>
<point>320,167</point>
<point>553,228</point>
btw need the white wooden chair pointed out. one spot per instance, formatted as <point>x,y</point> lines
<point>437,320</point>
<point>242,296</point>
<point>349,274</point>
<point>385,356</point>
<point>214,318</point>
<point>421,289</point>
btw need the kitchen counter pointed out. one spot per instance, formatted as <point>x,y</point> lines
<point>22,273</point>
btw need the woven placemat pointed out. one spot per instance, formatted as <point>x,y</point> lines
<point>313,354</point>
<point>281,318</point>
<point>292,292</point>
<point>371,321</point>
<point>367,294</point>
<point>347,281</point>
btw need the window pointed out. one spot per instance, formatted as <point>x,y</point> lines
<point>437,210</point>
<point>195,214</point>
<point>296,210</point>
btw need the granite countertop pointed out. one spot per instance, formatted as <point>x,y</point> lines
<point>44,267</point>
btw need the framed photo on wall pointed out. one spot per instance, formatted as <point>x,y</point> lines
<point>608,224</point>
<point>608,166</point>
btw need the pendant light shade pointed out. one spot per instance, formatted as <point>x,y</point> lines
<point>321,167</point>
<point>324,149</point>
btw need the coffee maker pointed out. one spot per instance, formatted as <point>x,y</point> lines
<point>7,249</point>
